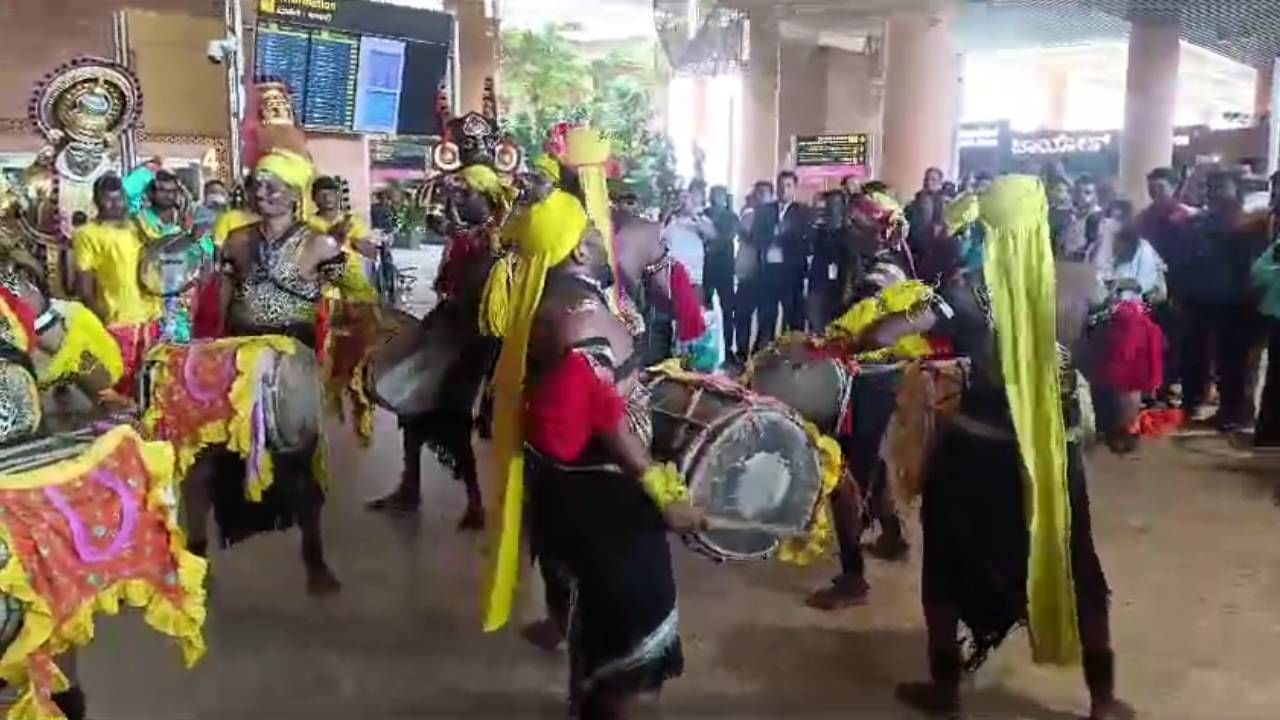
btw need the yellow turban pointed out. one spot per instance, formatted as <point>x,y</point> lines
<point>1019,271</point>
<point>548,165</point>
<point>294,170</point>
<point>486,181</point>
<point>549,230</point>
<point>587,151</point>
<point>549,233</point>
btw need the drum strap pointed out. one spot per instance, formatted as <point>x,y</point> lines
<point>600,351</point>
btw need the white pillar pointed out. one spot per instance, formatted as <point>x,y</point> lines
<point>921,85</point>
<point>1151,97</point>
<point>758,143</point>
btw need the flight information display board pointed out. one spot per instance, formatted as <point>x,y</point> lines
<point>330,100</point>
<point>847,149</point>
<point>378,89</point>
<point>353,82</point>
<point>282,52</point>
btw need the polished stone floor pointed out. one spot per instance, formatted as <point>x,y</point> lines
<point>1189,536</point>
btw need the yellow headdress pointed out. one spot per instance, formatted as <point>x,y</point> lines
<point>588,152</point>
<point>281,143</point>
<point>1019,271</point>
<point>485,180</point>
<point>553,228</point>
<point>548,165</point>
<point>294,170</point>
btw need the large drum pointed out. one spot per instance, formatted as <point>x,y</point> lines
<point>748,461</point>
<point>420,368</point>
<point>811,383</point>
<point>287,385</point>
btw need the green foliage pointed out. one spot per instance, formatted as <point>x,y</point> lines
<point>546,80</point>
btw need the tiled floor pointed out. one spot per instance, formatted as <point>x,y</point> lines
<point>1190,538</point>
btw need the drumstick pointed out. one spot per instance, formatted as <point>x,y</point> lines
<point>782,531</point>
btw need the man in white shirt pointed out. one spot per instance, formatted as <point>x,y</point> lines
<point>687,233</point>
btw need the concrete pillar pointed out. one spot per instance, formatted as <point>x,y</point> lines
<point>1262,92</point>
<point>478,47</point>
<point>758,143</point>
<point>852,103</point>
<point>802,95</point>
<point>1151,96</point>
<point>920,109</point>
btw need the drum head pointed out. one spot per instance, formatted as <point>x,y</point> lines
<point>170,266</point>
<point>755,466</point>
<point>294,402</point>
<point>407,373</point>
<point>809,385</point>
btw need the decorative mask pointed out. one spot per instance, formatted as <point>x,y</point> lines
<point>275,107</point>
<point>87,101</point>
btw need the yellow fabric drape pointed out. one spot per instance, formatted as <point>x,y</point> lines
<point>961,213</point>
<point>588,152</point>
<point>1020,276</point>
<point>495,302</point>
<point>555,227</point>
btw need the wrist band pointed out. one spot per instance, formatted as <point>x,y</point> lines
<point>663,485</point>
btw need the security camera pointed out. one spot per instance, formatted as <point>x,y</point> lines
<point>218,51</point>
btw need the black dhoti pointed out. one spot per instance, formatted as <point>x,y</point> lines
<point>602,545</point>
<point>976,541</point>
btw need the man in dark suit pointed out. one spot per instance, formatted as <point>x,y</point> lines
<point>782,234</point>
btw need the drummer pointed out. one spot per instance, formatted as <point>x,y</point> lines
<point>994,558</point>
<point>599,505</point>
<point>276,270</point>
<point>106,253</point>
<point>876,260</point>
<point>478,200</point>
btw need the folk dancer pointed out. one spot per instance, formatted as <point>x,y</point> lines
<point>475,195</point>
<point>478,200</point>
<point>872,269</point>
<point>1007,535</point>
<point>568,408</point>
<point>275,273</point>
